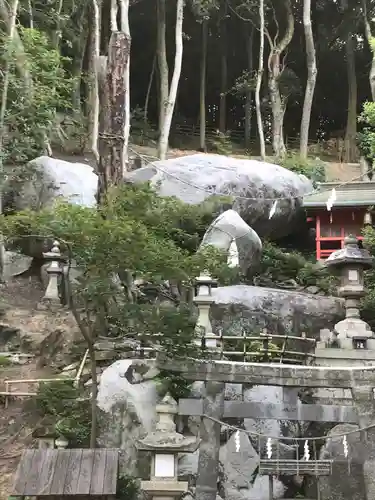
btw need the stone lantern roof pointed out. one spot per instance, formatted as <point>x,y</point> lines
<point>350,254</point>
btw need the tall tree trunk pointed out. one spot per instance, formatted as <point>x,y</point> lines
<point>19,51</point>
<point>113,16</point>
<point>125,29</point>
<point>275,67</point>
<point>161,51</point>
<point>112,114</point>
<point>202,96</point>
<point>149,87</point>
<point>169,108</point>
<point>370,39</point>
<point>249,92</point>
<point>259,82</point>
<point>224,72</point>
<point>93,97</point>
<point>351,124</point>
<point>277,107</point>
<point>3,108</point>
<point>311,78</point>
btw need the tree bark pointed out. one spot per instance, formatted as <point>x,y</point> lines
<point>275,66</point>
<point>113,16</point>
<point>149,87</point>
<point>161,51</point>
<point>259,81</point>
<point>19,52</point>
<point>125,28</point>
<point>351,124</point>
<point>93,90</point>
<point>311,78</point>
<point>249,92</point>
<point>370,40</point>
<point>224,73</point>
<point>202,96</point>
<point>169,108</point>
<point>112,115</point>
<point>3,108</point>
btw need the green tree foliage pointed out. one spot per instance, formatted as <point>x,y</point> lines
<point>367,135</point>
<point>70,413</point>
<point>148,241</point>
<point>279,267</point>
<point>32,106</point>
<point>368,304</point>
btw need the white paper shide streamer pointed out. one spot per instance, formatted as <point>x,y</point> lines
<point>269,448</point>
<point>233,256</point>
<point>306,455</point>
<point>346,448</point>
<point>237,441</point>
<point>331,200</point>
<point>273,210</point>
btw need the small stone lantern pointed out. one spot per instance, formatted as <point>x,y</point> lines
<point>55,272</point>
<point>61,443</point>
<point>165,444</point>
<point>204,299</point>
<point>45,435</point>
<point>351,262</point>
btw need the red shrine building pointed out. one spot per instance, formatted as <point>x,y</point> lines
<point>350,212</point>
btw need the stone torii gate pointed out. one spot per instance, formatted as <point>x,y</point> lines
<point>350,388</point>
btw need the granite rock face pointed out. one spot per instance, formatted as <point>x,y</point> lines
<point>346,480</point>
<point>250,186</point>
<point>250,308</point>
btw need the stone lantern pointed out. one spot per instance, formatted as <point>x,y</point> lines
<point>55,272</point>
<point>204,299</point>
<point>165,444</point>
<point>351,262</point>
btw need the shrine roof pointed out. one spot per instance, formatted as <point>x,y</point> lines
<point>353,194</point>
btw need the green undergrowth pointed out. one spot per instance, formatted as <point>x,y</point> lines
<point>69,410</point>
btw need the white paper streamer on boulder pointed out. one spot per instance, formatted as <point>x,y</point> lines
<point>273,209</point>
<point>233,257</point>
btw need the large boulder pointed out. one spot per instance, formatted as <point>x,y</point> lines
<point>250,185</point>
<point>229,227</point>
<point>346,481</point>
<point>51,178</point>
<point>246,308</point>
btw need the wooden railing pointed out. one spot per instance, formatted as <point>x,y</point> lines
<point>35,383</point>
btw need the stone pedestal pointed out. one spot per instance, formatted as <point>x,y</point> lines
<point>351,343</point>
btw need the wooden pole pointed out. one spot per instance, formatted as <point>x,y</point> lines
<point>113,114</point>
<point>270,487</point>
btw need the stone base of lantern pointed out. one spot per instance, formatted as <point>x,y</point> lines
<point>164,488</point>
<point>49,305</point>
<point>340,357</point>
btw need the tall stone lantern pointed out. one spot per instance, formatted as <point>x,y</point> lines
<point>203,300</point>
<point>351,263</point>
<point>165,444</point>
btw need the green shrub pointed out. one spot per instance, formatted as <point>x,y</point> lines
<point>312,169</point>
<point>70,411</point>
